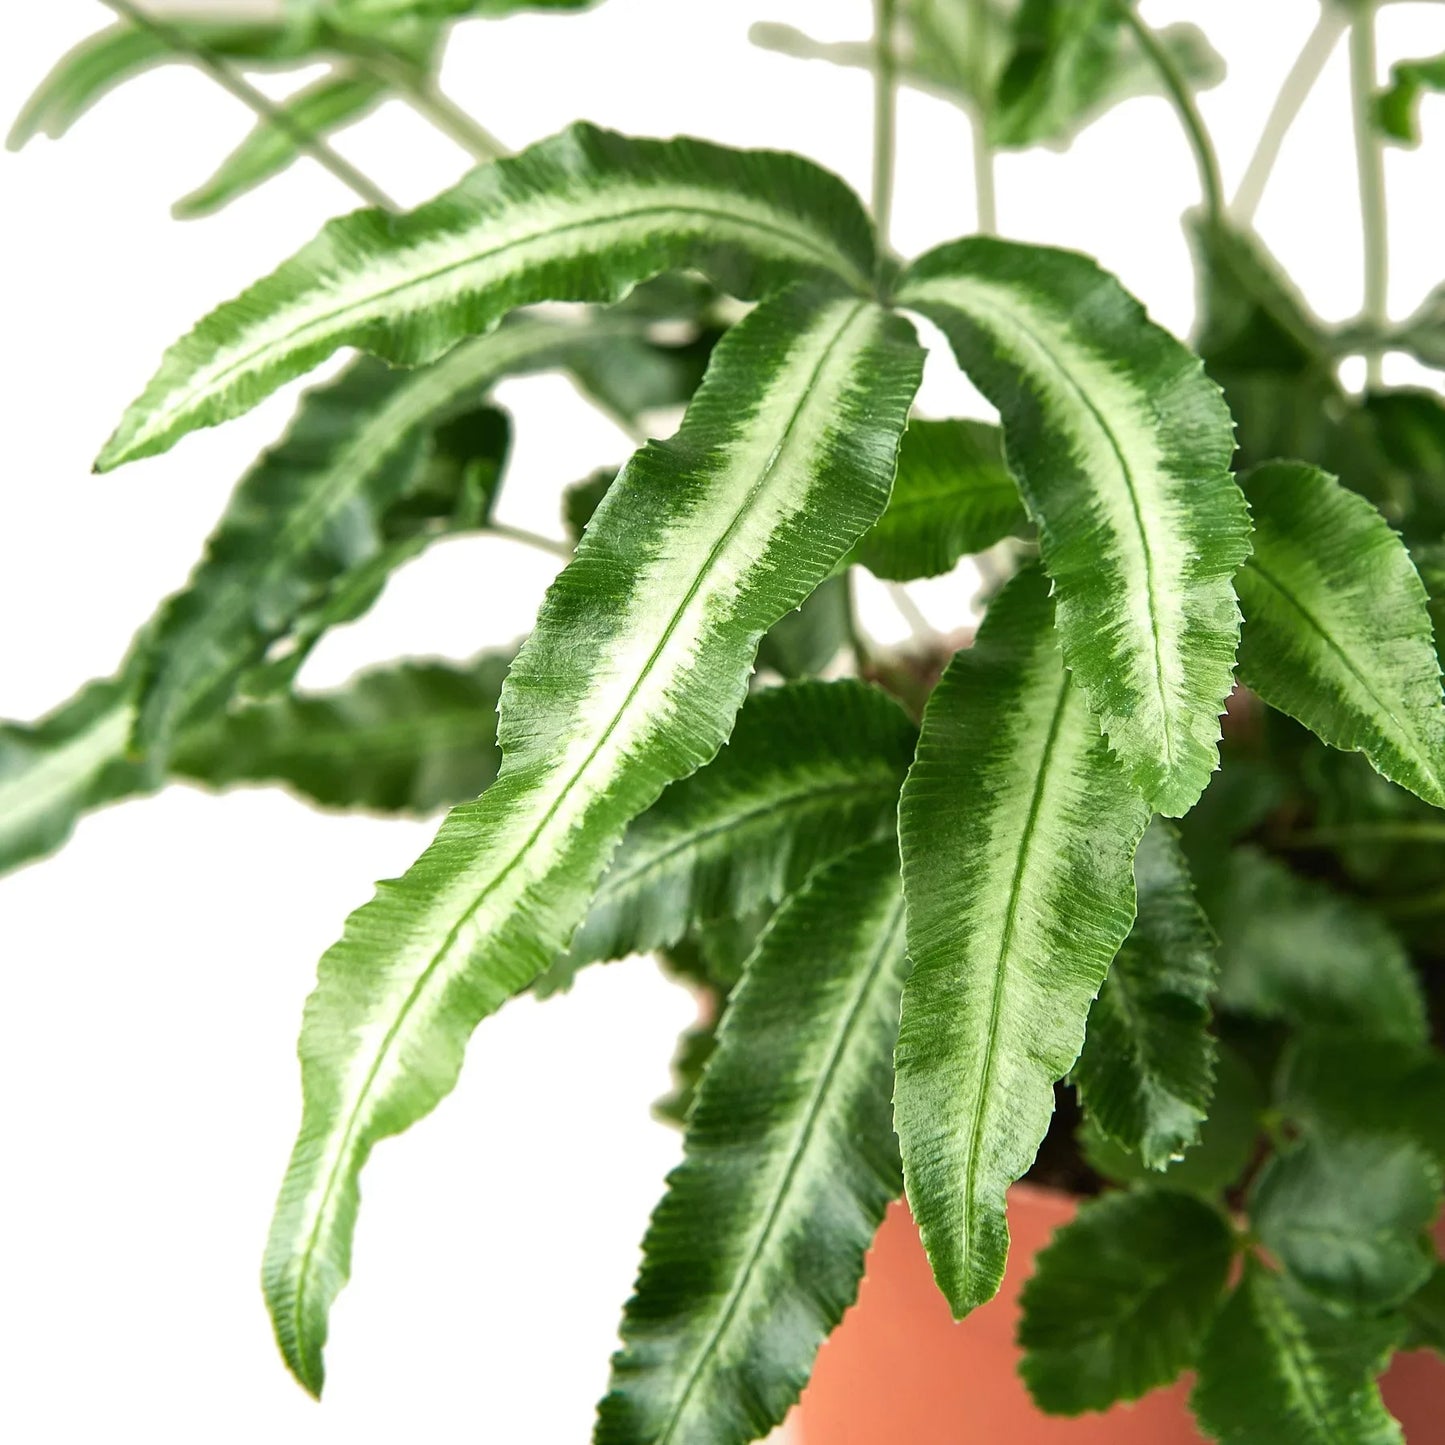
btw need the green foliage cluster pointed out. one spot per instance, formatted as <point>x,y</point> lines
<point>1040,864</point>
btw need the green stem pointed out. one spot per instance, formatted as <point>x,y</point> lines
<point>885,117</point>
<point>426,98</point>
<point>1370,158</point>
<point>1295,90</point>
<point>529,539</point>
<point>857,639</point>
<point>1205,156</point>
<point>273,114</point>
<point>920,629</point>
<point>449,118</point>
<point>985,189</point>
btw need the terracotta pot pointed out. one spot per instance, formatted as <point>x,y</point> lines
<point>900,1369</point>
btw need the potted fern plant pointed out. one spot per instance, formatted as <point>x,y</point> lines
<point>960,915</point>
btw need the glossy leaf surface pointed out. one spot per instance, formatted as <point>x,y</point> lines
<point>784,459</point>
<point>1120,1300</point>
<point>1121,446</point>
<point>1337,628</point>
<point>1277,1368</point>
<point>1146,1075</point>
<point>329,105</point>
<point>1390,1089</point>
<point>1227,1145</point>
<point>583,216</point>
<point>811,770</point>
<point>1018,833</point>
<point>954,496</point>
<point>377,465</point>
<point>1291,949</point>
<point>757,1248</point>
<point>1346,1215</point>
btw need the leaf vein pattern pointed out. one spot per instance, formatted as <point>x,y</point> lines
<point>424,978</point>
<point>836,1050</point>
<point>1000,977</point>
<point>214,380</point>
<point>1010,321</point>
<point>1322,632</point>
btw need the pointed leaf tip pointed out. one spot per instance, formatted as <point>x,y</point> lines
<point>1121,445</point>
<point>1018,832</point>
<point>584,216</point>
<point>783,459</point>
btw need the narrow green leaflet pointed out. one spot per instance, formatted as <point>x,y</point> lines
<point>1227,1143</point>
<point>812,769</point>
<point>581,500</point>
<point>1347,1215</point>
<point>1121,446</point>
<point>1073,60</point>
<point>954,496</point>
<point>1146,1074</point>
<point>453,490</point>
<point>695,1048</point>
<point>65,765</point>
<point>632,678</point>
<point>1018,838</point>
<point>376,464</point>
<point>1292,949</point>
<point>1038,76</point>
<point>1397,108</point>
<point>757,1248</point>
<point>1337,629</point>
<point>329,105</point>
<point>410,738</point>
<point>1120,1300</point>
<point>358,474</point>
<point>110,57</point>
<point>1277,1368</point>
<point>583,216</point>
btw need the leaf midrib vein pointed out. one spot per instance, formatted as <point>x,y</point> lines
<point>811,1116</point>
<point>435,962</point>
<point>72,763</point>
<point>1298,1371</point>
<point>1012,319</point>
<point>801,799</point>
<point>1402,729</point>
<point>232,589</point>
<point>1000,973</point>
<point>210,383</point>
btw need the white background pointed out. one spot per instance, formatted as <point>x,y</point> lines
<point>153,974</point>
